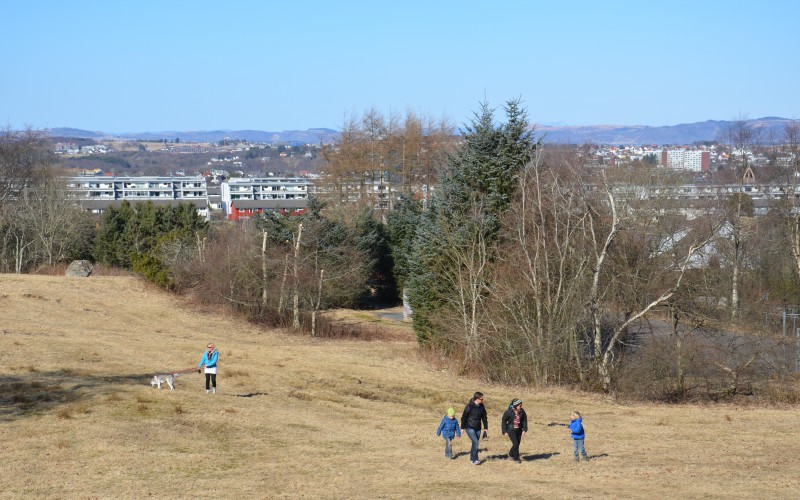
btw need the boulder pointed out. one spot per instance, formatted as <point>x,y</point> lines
<point>79,268</point>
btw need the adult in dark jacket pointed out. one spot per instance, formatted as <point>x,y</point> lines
<point>515,424</point>
<point>474,415</point>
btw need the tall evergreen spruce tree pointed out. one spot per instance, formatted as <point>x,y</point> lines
<point>456,239</point>
<point>401,226</point>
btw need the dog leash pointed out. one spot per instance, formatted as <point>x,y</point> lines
<point>188,370</point>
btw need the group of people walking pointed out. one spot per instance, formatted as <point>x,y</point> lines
<point>514,423</point>
<point>474,419</point>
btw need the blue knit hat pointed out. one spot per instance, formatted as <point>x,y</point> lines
<point>516,402</point>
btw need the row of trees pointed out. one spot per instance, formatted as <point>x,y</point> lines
<point>277,268</point>
<point>39,223</point>
<point>530,268</point>
<point>407,150</point>
<point>525,266</point>
<point>149,239</point>
<point>283,270</point>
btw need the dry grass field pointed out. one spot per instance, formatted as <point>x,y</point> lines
<point>299,417</point>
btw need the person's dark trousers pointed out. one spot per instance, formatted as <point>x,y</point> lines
<point>516,437</point>
<point>211,380</point>
<point>474,436</point>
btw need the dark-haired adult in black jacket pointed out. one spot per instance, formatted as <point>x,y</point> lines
<point>474,415</point>
<point>515,424</point>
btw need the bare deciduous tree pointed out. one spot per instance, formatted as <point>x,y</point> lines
<point>740,137</point>
<point>540,282</point>
<point>792,145</point>
<point>665,264</point>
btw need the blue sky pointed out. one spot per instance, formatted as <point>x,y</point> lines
<point>203,65</point>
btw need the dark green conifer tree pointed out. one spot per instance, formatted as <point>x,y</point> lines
<point>401,226</point>
<point>462,226</point>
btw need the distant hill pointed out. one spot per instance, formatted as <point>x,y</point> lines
<point>310,136</point>
<point>66,132</point>
<point>686,133</point>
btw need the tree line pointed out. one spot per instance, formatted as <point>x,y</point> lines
<point>530,267</point>
<point>523,266</point>
<point>39,223</point>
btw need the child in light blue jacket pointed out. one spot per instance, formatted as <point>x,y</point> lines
<point>449,429</point>
<point>578,434</point>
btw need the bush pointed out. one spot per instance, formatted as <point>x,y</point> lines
<point>152,269</point>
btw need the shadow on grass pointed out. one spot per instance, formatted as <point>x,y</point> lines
<point>249,394</point>
<point>35,392</point>
<point>539,456</point>
<point>525,458</point>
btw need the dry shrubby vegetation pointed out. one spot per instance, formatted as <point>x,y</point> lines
<point>522,264</point>
<point>532,268</point>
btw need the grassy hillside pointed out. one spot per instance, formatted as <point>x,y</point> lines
<point>301,417</point>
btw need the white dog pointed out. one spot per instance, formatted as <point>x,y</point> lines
<point>167,378</point>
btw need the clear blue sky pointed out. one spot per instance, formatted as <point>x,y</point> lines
<point>135,66</point>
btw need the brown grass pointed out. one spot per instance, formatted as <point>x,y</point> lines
<point>322,419</point>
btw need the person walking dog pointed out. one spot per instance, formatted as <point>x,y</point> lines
<point>209,359</point>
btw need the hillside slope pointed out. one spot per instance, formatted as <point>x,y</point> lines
<point>301,417</point>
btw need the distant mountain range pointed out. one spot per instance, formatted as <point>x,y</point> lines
<point>686,133</point>
<point>310,136</point>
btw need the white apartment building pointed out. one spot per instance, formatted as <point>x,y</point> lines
<point>684,159</point>
<point>237,197</point>
<point>98,193</point>
<point>247,196</point>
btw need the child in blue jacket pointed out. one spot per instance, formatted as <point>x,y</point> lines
<point>576,429</point>
<point>449,429</point>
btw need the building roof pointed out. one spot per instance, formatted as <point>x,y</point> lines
<point>200,203</point>
<point>269,204</point>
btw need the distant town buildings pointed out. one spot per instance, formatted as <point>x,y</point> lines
<point>246,197</point>
<point>217,194</point>
<point>235,198</point>
<point>96,193</point>
<point>686,159</point>
<point>70,148</point>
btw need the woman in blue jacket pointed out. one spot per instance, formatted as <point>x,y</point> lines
<point>209,359</point>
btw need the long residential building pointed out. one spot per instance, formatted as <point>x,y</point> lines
<point>249,196</point>
<point>98,193</point>
<point>236,197</point>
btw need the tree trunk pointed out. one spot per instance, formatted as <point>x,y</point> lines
<point>678,351</point>
<point>281,298</point>
<point>296,303</point>
<point>264,271</point>
<point>737,242</point>
<point>406,306</point>
<point>316,305</point>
